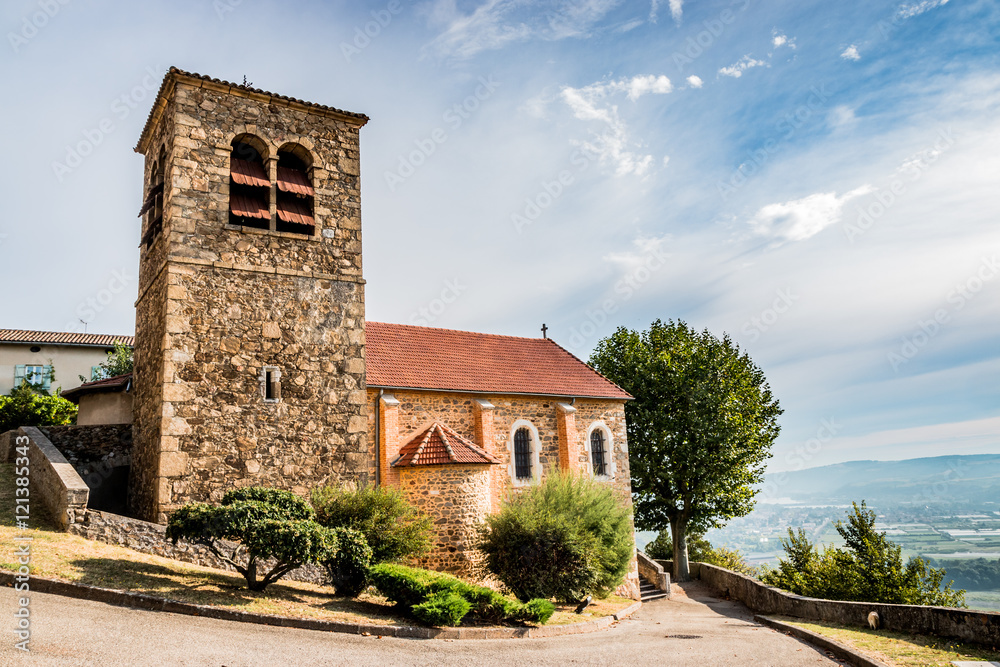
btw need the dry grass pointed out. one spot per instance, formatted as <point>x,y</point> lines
<point>896,648</point>
<point>67,557</point>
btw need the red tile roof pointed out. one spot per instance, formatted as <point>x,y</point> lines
<point>400,356</point>
<point>58,338</point>
<point>440,445</point>
<point>116,383</point>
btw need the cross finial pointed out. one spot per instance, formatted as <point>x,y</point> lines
<point>544,331</point>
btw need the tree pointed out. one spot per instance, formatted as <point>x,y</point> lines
<point>869,569</point>
<point>119,362</point>
<point>700,428</point>
<point>264,524</point>
<point>25,406</point>
<point>568,537</point>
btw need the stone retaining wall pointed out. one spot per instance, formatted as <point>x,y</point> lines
<point>54,483</point>
<point>980,627</point>
<point>102,455</point>
<point>151,538</point>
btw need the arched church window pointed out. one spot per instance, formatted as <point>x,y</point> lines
<point>295,193</point>
<point>249,184</point>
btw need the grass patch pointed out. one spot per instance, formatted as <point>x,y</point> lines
<point>897,648</point>
<point>59,555</point>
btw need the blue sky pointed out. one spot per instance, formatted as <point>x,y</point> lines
<point>820,180</point>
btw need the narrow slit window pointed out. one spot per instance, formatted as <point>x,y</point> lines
<point>152,207</point>
<point>271,384</point>
<point>598,453</point>
<point>522,454</point>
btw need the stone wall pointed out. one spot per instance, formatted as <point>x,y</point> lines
<point>457,498</point>
<point>151,538</point>
<point>102,456</point>
<point>53,483</point>
<point>979,627</point>
<point>218,303</point>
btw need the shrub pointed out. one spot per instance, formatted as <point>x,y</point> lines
<point>391,527</point>
<point>662,547</point>
<point>119,362</point>
<point>565,538</point>
<point>266,524</point>
<point>26,407</point>
<point>869,569</point>
<point>348,569</point>
<point>411,588</point>
<point>442,608</point>
<point>702,551</point>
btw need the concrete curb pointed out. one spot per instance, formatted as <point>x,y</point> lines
<point>842,651</point>
<point>150,603</point>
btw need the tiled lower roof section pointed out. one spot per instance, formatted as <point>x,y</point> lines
<point>440,445</point>
<point>116,383</point>
<point>62,338</point>
<point>400,356</point>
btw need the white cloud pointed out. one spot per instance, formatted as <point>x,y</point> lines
<point>654,8</point>
<point>743,64</point>
<point>800,219</point>
<point>590,103</point>
<point>909,11</point>
<point>695,81</point>
<point>779,39</point>
<point>677,10</point>
<point>643,249</point>
<point>851,53</point>
<point>496,23</point>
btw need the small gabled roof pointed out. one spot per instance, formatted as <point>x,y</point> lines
<point>105,385</point>
<point>63,338</point>
<point>400,356</point>
<point>439,445</point>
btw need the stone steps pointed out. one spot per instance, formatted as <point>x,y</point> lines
<point>648,591</point>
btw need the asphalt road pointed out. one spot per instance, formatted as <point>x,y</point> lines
<point>693,628</point>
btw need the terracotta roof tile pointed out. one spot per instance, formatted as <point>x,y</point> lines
<point>61,338</point>
<point>440,445</point>
<point>401,356</point>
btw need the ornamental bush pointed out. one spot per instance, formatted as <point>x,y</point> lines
<point>430,597</point>
<point>26,407</point>
<point>265,524</point>
<point>392,528</point>
<point>566,538</point>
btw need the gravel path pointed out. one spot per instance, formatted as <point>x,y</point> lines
<point>693,628</point>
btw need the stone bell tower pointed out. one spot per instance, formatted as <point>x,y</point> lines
<point>249,355</point>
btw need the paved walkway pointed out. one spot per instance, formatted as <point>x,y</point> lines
<point>693,628</point>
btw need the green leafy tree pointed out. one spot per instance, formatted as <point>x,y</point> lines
<point>119,362</point>
<point>869,568</point>
<point>700,550</point>
<point>568,537</point>
<point>700,430</point>
<point>25,406</point>
<point>393,529</point>
<point>259,524</point>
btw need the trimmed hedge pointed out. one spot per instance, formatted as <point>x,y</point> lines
<point>430,597</point>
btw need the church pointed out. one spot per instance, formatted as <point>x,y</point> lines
<point>254,364</point>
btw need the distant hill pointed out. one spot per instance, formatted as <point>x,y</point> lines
<point>924,481</point>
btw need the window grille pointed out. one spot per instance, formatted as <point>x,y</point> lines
<point>522,454</point>
<point>597,452</point>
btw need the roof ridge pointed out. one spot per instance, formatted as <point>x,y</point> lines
<point>602,375</point>
<point>458,331</point>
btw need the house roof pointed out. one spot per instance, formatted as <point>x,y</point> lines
<point>106,385</point>
<point>439,445</point>
<point>400,356</point>
<point>63,338</point>
<point>175,74</point>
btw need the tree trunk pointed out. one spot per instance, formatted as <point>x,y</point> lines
<point>679,532</point>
